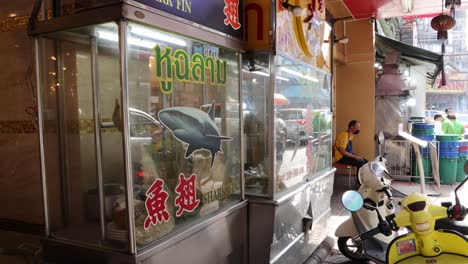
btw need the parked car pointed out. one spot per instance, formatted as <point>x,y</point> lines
<point>295,119</point>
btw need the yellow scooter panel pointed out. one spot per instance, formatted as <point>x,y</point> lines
<point>438,247</point>
<point>441,259</point>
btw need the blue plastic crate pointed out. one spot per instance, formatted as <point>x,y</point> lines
<point>422,126</point>
<point>448,149</point>
<point>448,155</point>
<point>425,137</point>
<point>448,144</point>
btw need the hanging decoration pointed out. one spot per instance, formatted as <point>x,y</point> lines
<point>441,24</point>
<point>452,4</point>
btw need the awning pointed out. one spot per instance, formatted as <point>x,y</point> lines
<point>386,45</point>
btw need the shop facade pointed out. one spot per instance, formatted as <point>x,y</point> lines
<point>165,137</point>
<point>286,92</point>
<point>140,133</point>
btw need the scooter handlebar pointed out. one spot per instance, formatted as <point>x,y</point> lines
<point>385,227</point>
<point>368,234</point>
<point>457,212</point>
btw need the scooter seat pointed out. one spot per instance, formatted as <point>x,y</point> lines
<point>449,224</point>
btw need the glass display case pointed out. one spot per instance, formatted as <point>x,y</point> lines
<point>141,141</point>
<point>295,115</point>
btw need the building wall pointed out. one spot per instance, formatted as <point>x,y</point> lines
<point>355,84</point>
<point>20,182</point>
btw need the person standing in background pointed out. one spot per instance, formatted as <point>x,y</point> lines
<point>438,119</point>
<point>447,125</point>
<point>458,127</point>
<point>448,111</point>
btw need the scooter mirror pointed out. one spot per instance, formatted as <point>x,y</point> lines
<point>381,138</point>
<point>352,201</point>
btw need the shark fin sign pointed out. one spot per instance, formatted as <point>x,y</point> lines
<point>185,68</point>
<point>195,128</point>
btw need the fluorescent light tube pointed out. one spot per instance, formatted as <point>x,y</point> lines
<point>257,72</point>
<point>282,78</point>
<point>156,35</point>
<point>299,74</point>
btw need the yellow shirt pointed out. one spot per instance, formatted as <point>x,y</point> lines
<point>341,141</point>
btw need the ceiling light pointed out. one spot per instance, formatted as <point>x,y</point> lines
<point>257,72</point>
<point>282,78</point>
<point>299,74</point>
<point>342,40</point>
<point>294,9</point>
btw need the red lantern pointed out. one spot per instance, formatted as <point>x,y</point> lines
<point>441,24</point>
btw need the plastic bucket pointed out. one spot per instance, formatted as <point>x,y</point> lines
<point>424,126</point>
<point>425,137</point>
<point>448,144</point>
<point>448,137</point>
<point>422,131</point>
<point>427,167</point>
<point>449,155</point>
<point>449,149</point>
<point>461,168</point>
<point>414,120</point>
<point>425,152</point>
<point>448,170</point>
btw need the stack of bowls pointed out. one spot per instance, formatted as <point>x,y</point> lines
<point>423,131</point>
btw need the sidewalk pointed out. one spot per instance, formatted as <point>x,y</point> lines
<point>339,214</point>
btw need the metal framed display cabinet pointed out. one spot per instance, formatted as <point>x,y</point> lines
<point>286,92</point>
<point>140,133</point>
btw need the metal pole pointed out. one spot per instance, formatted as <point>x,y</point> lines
<point>126,133</point>
<point>270,124</point>
<point>241,129</point>
<point>41,136</point>
<point>97,135</point>
<point>61,130</point>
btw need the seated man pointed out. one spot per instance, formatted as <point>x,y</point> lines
<point>344,146</point>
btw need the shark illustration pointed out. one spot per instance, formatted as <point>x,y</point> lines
<point>195,128</point>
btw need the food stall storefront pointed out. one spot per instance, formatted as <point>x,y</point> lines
<point>286,90</point>
<point>140,131</point>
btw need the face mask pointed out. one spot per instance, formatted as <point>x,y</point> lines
<point>356,132</point>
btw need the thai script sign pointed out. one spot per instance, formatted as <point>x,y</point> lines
<point>185,68</point>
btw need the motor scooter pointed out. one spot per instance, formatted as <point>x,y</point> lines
<point>423,244</point>
<point>375,189</point>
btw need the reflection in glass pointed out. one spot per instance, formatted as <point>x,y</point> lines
<point>185,146</point>
<point>184,128</point>
<point>304,115</point>
<point>302,123</point>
